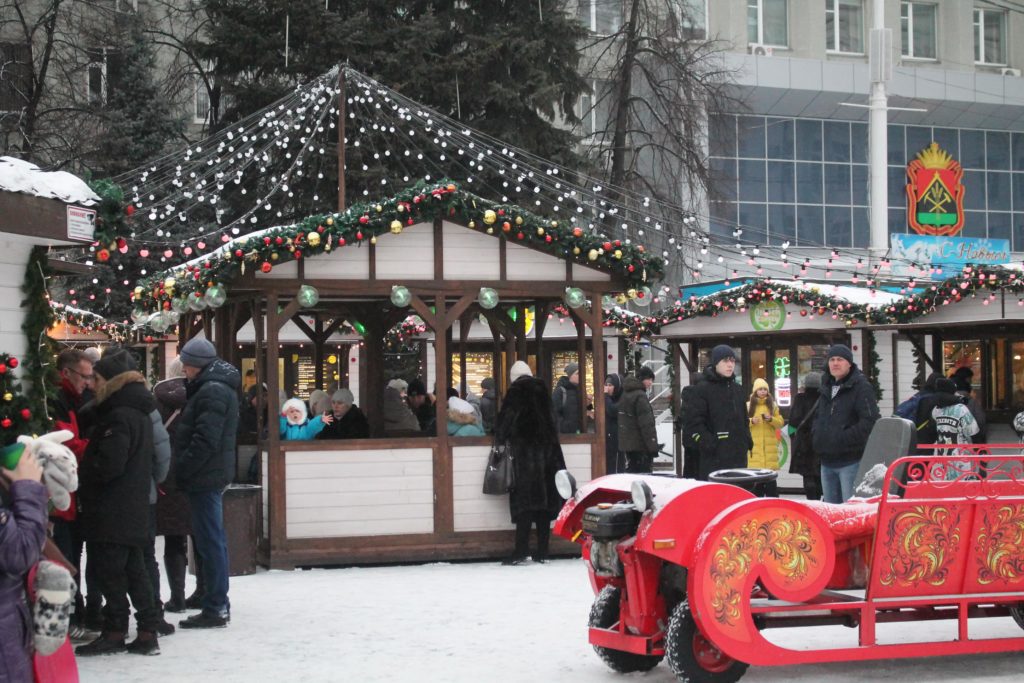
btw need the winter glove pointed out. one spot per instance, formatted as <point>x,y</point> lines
<point>51,611</point>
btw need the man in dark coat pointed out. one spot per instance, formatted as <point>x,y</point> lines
<point>566,401</point>
<point>420,404</point>
<point>716,416</point>
<point>349,422</point>
<point>845,417</point>
<point>205,449</point>
<point>801,418</point>
<point>612,396</point>
<point>525,423</point>
<point>488,404</point>
<point>638,436</point>
<point>115,481</point>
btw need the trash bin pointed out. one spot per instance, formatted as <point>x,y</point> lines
<point>754,480</point>
<point>242,527</point>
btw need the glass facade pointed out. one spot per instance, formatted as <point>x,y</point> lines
<point>806,180</point>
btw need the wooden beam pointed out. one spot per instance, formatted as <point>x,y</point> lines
<point>285,315</point>
<point>597,452</point>
<point>456,311</point>
<point>424,312</point>
<point>918,344</point>
<point>444,492</point>
<point>677,405</point>
<point>277,496</point>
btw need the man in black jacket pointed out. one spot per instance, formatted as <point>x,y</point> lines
<point>116,475</point>
<point>716,416</point>
<point>205,449</point>
<point>349,421</point>
<point>566,401</point>
<point>847,411</point>
<point>638,436</point>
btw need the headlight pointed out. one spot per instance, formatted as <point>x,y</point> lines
<point>643,497</point>
<point>565,483</point>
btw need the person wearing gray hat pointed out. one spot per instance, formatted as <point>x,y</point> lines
<point>349,421</point>
<point>566,401</point>
<point>805,462</point>
<point>847,412</point>
<point>715,418</point>
<point>205,448</point>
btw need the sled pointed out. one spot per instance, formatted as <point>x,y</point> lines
<point>697,573</point>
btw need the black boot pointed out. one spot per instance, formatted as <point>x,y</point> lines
<point>205,620</point>
<point>93,614</point>
<point>163,627</point>
<point>110,642</point>
<point>145,644</point>
<point>175,568</point>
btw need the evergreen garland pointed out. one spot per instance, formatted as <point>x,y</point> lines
<point>39,372</point>
<point>873,371</point>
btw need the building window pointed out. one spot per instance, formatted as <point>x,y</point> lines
<point>689,19</point>
<point>98,75</point>
<point>989,36</point>
<point>200,101</point>
<point>15,76</point>
<point>593,109</point>
<point>603,17</point>
<point>767,22</point>
<point>918,30</point>
<point>844,25</point>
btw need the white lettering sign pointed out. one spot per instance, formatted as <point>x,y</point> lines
<point>81,224</point>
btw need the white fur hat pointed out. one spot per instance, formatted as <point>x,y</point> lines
<point>296,403</point>
<point>460,406</point>
<point>519,369</point>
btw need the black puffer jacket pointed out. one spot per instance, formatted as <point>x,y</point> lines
<point>526,424</point>
<point>637,433</point>
<point>843,422</point>
<point>716,422</point>
<point>566,401</point>
<point>805,462</point>
<point>205,439</point>
<point>117,469</point>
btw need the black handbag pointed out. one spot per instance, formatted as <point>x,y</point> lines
<point>500,475</point>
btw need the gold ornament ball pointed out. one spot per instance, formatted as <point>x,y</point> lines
<point>169,284</point>
<point>519,220</point>
<point>554,224</point>
<point>631,293</point>
<point>620,298</point>
<point>490,231</point>
<point>329,221</point>
<point>472,224</point>
<point>273,256</point>
<point>8,397</point>
<point>490,217</point>
<point>313,239</point>
<point>396,227</point>
<point>618,253</point>
<point>576,251</point>
<point>401,208</point>
<point>373,240</point>
<point>379,208</point>
<point>593,254</point>
<point>540,231</point>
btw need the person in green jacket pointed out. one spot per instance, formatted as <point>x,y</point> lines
<point>462,418</point>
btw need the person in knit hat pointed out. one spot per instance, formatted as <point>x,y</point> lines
<point>612,396</point>
<point>715,420</point>
<point>295,423</point>
<point>566,400</point>
<point>638,435</point>
<point>846,414</point>
<point>205,449</point>
<point>488,403</point>
<point>462,419</point>
<point>519,369</point>
<point>349,421</point>
<point>765,420</point>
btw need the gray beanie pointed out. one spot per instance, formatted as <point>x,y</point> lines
<point>571,369</point>
<point>343,396</point>
<point>812,380</point>
<point>198,352</point>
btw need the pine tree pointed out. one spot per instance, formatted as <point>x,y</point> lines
<point>16,414</point>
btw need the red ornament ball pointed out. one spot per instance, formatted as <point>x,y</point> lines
<point>103,255</point>
<point>26,414</point>
<point>13,362</point>
<point>3,369</point>
<point>6,423</point>
<point>266,267</point>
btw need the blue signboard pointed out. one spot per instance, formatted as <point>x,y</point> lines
<point>935,250</point>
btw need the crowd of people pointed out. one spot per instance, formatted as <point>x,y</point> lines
<point>150,462</point>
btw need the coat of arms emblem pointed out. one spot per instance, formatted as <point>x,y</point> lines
<point>935,195</point>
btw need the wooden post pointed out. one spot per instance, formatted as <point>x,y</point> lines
<point>276,473</point>
<point>581,358</point>
<point>597,459</point>
<point>677,403</point>
<point>444,508</point>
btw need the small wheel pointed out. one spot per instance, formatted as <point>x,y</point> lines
<point>692,657</point>
<point>604,614</point>
<point>1017,612</point>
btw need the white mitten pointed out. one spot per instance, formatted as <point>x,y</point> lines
<point>51,611</point>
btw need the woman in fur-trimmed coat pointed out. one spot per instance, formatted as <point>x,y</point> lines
<point>526,422</point>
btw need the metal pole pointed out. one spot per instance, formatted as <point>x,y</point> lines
<point>881,42</point>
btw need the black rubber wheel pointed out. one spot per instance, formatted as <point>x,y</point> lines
<point>694,659</point>
<point>1017,612</point>
<point>604,614</point>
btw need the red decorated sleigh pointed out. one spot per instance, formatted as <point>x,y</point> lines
<point>696,572</point>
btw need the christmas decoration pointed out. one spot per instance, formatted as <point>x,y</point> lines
<point>17,415</point>
<point>488,298</point>
<point>400,296</point>
<point>575,297</point>
<point>215,296</point>
<point>308,296</point>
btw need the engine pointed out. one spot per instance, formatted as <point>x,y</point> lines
<point>607,524</point>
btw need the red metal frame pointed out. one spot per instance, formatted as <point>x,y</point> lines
<point>942,541</point>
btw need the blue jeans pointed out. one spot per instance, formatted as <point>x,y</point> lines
<point>212,546</point>
<point>837,482</point>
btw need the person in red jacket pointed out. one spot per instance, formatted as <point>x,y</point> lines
<point>76,379</point>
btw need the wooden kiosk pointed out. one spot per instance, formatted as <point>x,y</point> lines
<point>415,497</point>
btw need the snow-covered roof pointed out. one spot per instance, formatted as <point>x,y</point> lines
<point>17,175</point>
<point>851,293</point>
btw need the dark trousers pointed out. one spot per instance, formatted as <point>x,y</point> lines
<point>639,462</point>
<point>527,519</point>
<point>175,563</point>
<point>212,546</point>
<point>67,537</point>
<point>149,556</point>
<point>121,571</point>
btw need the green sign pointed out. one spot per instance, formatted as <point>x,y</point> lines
<point>782,367</point>
<point>768,316</point>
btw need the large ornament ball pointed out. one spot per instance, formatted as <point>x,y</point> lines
<point>490,217</point>
<point>215,296</point>
<point>400,296</point>
<point>180,304</point>
<point>172,317</point>
<point>488,298</point>
<point>265,267</point>
<point>593,254</point>
<point>313,239</point>
<point>196,302</point>
<point>396,227</point>
<point>138,316</point>
<point>644,295</point>
<point>631,293</point>
<point>158,322</point>
<point>308,296</point>
<point>575,297</point>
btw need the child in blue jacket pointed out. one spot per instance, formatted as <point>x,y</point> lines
<point>295,422</point>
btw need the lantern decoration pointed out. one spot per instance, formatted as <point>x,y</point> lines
<point>488,298</point>
<point>215,296</point>
<point>400,296</point>
<point>574,297</point>
<point>308,296</point>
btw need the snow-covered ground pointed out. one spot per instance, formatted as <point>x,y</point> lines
<point>452,623</point>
